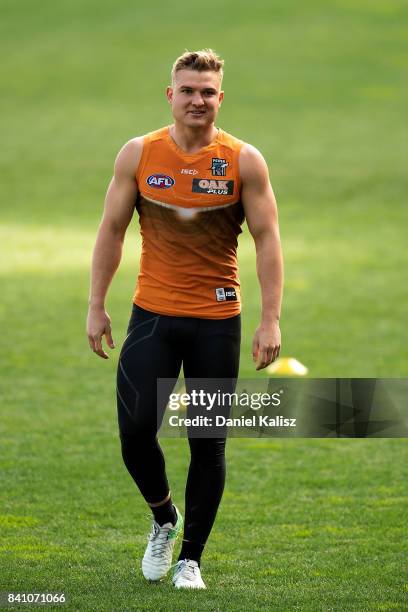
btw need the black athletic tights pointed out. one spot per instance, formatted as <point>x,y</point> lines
<point>155,347</point>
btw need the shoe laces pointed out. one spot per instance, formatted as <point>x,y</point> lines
<point>186,569</point>
<point>158,539</point>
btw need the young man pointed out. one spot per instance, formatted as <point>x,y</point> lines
<point>192,185</point>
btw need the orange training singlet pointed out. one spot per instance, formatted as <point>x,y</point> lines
<point>190,216</point>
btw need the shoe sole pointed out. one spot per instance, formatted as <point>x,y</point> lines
<point>193,588</point>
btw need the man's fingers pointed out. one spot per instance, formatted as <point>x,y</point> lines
<point>98,347</point>
<point>109,339</point>
<point>262,361</point>
<point>255,349</point>
<point>274,354</point>
<point>266,356</point>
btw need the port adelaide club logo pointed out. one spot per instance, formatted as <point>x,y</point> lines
<point>160,181</point>
<point>219,166</point>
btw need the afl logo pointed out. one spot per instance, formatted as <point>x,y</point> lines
<point>160,181</point>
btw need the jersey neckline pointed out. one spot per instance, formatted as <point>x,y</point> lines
<point>199,153</point>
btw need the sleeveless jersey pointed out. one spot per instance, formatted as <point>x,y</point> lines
<point>190,216</point>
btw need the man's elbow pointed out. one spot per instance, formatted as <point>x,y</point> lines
<point>266,235</point>
<point>113,229</point>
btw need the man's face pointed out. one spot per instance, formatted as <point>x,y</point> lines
<point>195,97</point>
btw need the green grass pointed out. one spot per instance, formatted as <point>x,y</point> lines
<point>317,525</point>
<point>320,89</point>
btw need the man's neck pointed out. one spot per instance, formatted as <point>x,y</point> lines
<point>193,139</point>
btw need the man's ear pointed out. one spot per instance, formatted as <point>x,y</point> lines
<point>221,98</point>
<point>169,93</point>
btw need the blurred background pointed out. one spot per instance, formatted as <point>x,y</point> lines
<point>320,89</point>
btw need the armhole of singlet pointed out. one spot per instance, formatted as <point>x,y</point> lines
<point>237,151</point>
<point>143,159</point>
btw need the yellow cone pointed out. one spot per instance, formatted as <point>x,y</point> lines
<point>287,366</point>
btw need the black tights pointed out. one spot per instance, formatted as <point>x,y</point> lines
<point>155,347</point>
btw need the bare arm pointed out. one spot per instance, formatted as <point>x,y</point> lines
<point>107,253</point>
<point>262,217</point>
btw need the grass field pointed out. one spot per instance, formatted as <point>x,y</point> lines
<point>320,89</point>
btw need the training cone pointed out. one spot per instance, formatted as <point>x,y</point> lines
<point>287,366</point>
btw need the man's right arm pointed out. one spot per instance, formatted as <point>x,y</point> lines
<point>107,253</point>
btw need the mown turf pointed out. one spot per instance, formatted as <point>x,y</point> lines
<point>317,525</point>
<point>319,88</point>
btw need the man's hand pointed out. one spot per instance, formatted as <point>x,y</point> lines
<point>98,325</point>
<point>266,344</point>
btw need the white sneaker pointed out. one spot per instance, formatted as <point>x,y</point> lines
<point>187,575</point>
<point>159,552</point>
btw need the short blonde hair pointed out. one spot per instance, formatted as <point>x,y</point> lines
<point>203,60</point>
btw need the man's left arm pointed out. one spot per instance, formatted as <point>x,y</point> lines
<point>262,217</point>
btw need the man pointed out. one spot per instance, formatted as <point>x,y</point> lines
<point>191,184</point>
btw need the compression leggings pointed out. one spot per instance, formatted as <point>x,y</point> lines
<point>156,346</point>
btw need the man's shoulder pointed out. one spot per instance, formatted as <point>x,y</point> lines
<point>250,153</point>
<point>251,162</point>
<point>129,156</point>
<point>230,141</point>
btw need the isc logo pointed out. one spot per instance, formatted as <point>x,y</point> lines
<point>225,294</point>
<point>160,181</point>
